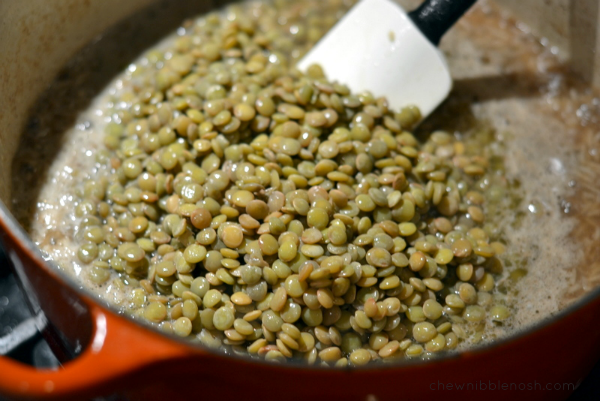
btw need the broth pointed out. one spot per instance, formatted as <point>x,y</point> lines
<point>507,85</point>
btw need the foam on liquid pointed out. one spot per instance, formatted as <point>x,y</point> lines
<point>540,153</point>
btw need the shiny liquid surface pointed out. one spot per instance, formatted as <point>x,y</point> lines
<point>547,126</point>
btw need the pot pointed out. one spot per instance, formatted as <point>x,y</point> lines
<point>104,352</point>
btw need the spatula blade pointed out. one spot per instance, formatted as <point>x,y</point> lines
<point>376,47</point>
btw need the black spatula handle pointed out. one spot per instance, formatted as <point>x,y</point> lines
<point>435,17</point>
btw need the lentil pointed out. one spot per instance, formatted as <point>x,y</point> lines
<point>268,208</point>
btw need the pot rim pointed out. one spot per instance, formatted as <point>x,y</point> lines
<point>13,228</point>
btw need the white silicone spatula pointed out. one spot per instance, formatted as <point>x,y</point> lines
<point>379,47</point>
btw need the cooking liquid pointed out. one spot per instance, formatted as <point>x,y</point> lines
<point>503,77</point>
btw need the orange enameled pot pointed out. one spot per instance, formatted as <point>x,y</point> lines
<point>115,355</point>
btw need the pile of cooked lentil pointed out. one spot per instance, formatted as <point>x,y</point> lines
<point>270,212</point>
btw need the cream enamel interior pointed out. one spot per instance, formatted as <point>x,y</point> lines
<point>37,38</point>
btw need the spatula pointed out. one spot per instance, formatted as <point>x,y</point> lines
<point>378,47</point>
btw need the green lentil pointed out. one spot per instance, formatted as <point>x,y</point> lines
<point>432,309</point>
<point>424,332</point>
<point>474,313</point>
<point>268,208</point>
<point>499,312</point>
<point>155,312</point>
<point>223,318</point>
<point>131,252</point>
